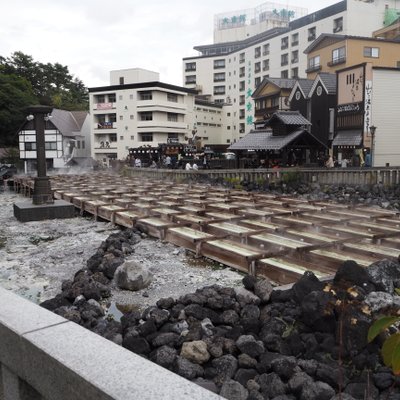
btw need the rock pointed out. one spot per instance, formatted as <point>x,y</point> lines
<point>245,361</point>
<point>298,381</point>
<point>230,317</point>
<point>351,274</point>
<point>244,297</point>
<point>164,356</point>
<point>342,396</point>
<point>249,281</point>
<point>56,302</point>
<point>271,385</point>
<point>330,375</point>
<point>206,384</point>
<point>136,344</point>
<point>383,273</point>
<point>305,285</point>
<point>207,327</point>
<point>383,380</point>
<point>263,290</point>
<point>250,311</point>
<point>166,303</point>
<point>378,301</point>
<point>284,366</point>
<point>249,345</point>
<point>195,351</point>
<point>233,391</point>
<point>358,390</point>
<point>225,366</point>
<point>318,311</point>
<point>131,276</point>
<point>168,338</point>
<point>317,391</point>
<point>187,369</point>
<point>243,375</point>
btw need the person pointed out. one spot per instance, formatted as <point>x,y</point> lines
<point>168,162</point>
<point>329,162</point>
<point>195,167</point>
<point>367,160</point>
<point>344,163</point>
<point>188,167</point>
<point>153,164</point>
<point>205,165</point>
<point>138,163</point>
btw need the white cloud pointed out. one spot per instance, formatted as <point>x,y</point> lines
<point>93,37</point>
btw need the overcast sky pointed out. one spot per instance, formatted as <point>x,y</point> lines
<point>93,37</point>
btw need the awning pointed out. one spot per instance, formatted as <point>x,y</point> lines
<point>347,138</point>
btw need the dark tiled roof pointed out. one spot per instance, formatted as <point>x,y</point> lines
<point>264,140</point>
<point>305,85</point>
<point>290,118</point>
<point>283,83</point>
<point>347,138</point>
<point>329,81</point>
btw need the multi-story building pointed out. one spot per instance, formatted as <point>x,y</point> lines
<point>330,53</point>
<point>137,110</point>
<point>67,140</point>
<point>246,50</point>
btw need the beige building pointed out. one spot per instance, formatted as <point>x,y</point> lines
<point>330,53</point>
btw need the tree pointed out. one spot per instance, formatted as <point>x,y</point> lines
<point>15,95</point>
<point>24,81</point>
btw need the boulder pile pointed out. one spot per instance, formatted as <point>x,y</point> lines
<point>254,342</point>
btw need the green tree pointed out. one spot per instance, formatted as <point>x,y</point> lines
<point>15,95</point>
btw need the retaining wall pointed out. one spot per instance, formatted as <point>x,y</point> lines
<point>339,176</point>
<point>44,356</point>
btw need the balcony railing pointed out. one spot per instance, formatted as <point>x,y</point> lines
<point>284,62</point>
<point>284,46</point>
<point>105,125</point>
<point>295,43</point>
<point>336,61</point>
<point>314,68</point>
<point>105,106</point>
<point>265,53</point>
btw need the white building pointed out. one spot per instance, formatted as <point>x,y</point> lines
<point>244,53</point>
<point>67,140</point>
<point>136,110</point>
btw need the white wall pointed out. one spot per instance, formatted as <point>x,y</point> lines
<point>133,75</point>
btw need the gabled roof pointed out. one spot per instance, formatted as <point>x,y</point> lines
<point>304,85</point>
<point>265,140</point>
<point>289,118</point>
<point>328,82</point>
<point>69,123</point>
<point>328,37</point>
<point>280,83</point>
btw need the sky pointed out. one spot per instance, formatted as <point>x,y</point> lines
<point>94,37</point>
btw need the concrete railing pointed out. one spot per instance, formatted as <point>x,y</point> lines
<point>340,176</point>
<point>44,356</point>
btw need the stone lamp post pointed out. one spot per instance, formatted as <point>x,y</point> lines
<point>41,190</point>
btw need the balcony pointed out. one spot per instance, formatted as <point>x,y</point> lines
<point>242,60</point>
<point>295,60</point>
<point>265,53</point>
<point>314,68</point>
<point>284,46</point>
<point>295,43</point>
<point>106,125</point>
<point>104,106</point>
<point>284,62</point>
<point>311,37</point>
<point>336,61</point>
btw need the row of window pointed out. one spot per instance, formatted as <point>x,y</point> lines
<point>29,146</point>
<point>339,56</point>
<point>143,116</point>
<point>141,95</point>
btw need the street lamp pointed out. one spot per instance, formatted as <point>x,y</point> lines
<point>41,190</point>
<point>372,130</point>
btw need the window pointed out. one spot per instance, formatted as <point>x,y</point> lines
<point>242,99</point>
<point>173,138</point>
<point>113,137</point>
<point>121,138</point>
<point>121,80</point>
<point>190,79</point>
<point>131,116</point>
<point>100,98</point>
<point>314,63</point>
<point>83,144</point>
<point>30,146</point>
<point>241,86</point>
<point>265,65</point>
<point>312,33</point>
<point>285,74</point>
<point>131,97</point>
<point>145,95</point>
<point>146,137</point>
<point>218,101</point>
<point>284,43</point>
<point>338,56</point>
<point>257,67</point>
<point>219,77</point>
<point>112,118</point>
<point>295,39</point>
<point>228,128</point>
<point>132,137</point>
<point>371,52</point>
<point>219,90</point>
<point>241,58</point>
<point>338,25</point>
<point>241,72</point>
<point>146,116</point>
<point>295,73</point>
<point>172,117</point>
<point>295,56</point>
<point>275,102</point>
<point>265,49</point>
<point>284,59</point>
<point>257,52</point>
<point>120,97</point>
<point>241,113</point>
<point>121,117</point>
<point>219,64</point>
<point>257,81</point>
<point>241,128</point>
<point>112,98</point>
<point>172,97</point>
<point>191,66</point>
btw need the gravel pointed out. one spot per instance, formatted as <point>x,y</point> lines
<point>37,256</point>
